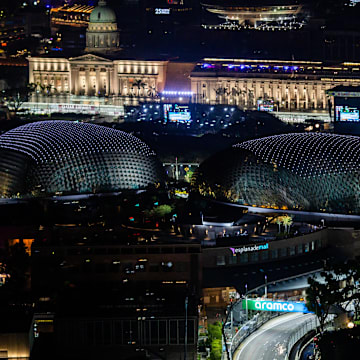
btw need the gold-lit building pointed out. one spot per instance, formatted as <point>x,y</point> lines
<point>93,75</point>
<point>104,75</point>
<point>290,85</point>
<point>76,15</point>
<point>99,72</point>
<point>252,14</point>
<point>102,34</point>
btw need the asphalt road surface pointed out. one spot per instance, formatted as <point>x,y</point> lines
<point>270,341</point>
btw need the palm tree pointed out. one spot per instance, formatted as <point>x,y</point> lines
<point>48,89</point>
<point>250,97</point>
<point>235,91</point>
<point>279,221</point>
<point>32,87</point>
<point>143,86</point>
<point>138,84</point>
<point>152,92</point>
<point>287,222</point>
<point>36,87</point>
<point>220,91</point>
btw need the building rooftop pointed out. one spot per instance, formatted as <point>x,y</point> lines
<point>74,8</point>
<point>233,4</point>
<point>102,14</point>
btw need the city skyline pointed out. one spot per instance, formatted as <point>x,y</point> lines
<point>179,179</point>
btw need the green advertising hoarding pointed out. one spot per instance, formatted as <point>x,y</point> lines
<point>282,306</point>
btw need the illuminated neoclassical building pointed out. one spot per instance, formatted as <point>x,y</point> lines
<point>291,85</point>
<point>94,75</point>
<point>102,34</point>
<point>104,75</point>
<point>100,71</point>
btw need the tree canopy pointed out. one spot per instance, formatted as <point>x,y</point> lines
<point>339,286</point>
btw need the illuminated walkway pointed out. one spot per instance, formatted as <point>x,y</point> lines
<point>270,341</point>
<point>304,214</point>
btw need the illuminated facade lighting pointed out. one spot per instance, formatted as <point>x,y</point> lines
<point>177,93</point>
<point>300,171</point>
<point>64,156</point>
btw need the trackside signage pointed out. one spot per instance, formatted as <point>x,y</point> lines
<point>244,249</point>
<point>283,306</point>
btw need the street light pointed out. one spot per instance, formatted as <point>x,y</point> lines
<point>350,325</point>
<point>265,286</point>
<point>246,304</point>
<point>186,328</point>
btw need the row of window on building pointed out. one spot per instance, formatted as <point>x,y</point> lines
<point>129,267</point>
<point>132,250</point>
<point>142,331</point>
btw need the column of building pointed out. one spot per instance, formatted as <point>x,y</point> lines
<point>114,81</point>
<point>108,77</point>
<point>74,80</point>
<point>87,75</point>
<point>246,94</point>
<point>324,105</point>
<point>316,97</point>
<point>62,82</point>
<point>97,83</point>
<point>121,87</point>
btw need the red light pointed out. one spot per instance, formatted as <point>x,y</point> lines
<point>157,224</point>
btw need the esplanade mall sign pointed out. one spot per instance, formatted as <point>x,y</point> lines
<point>244,249</point>
<point>282,306</point>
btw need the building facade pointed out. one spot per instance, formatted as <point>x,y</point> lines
<point>291,85</point>
<point>100,73</point>
<point>102,34</point>
<point>254,14</point>
<point>62,156</point>
<point>300,171</point>
<point>74,16</point>
<point>93,75</point>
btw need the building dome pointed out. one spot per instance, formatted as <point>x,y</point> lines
<point>102,14</point>
<point>102,34</point>
<point>301,171</point>
<point>63,156</point>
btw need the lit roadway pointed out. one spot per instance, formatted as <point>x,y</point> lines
<point>270,341</point>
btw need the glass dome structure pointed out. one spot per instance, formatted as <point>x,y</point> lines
<point>63,156</point>
<point>299,171</point>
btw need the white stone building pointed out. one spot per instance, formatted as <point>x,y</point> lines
<point>93,75</point>
<point>97,74</point>
<point>291,85</point>
<point>103,76</point>
<point>102,34</point>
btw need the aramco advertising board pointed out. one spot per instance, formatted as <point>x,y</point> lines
<point>282,306</point>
